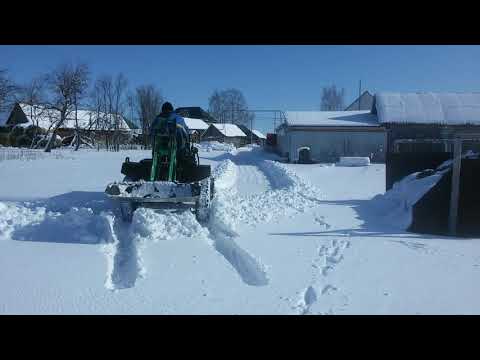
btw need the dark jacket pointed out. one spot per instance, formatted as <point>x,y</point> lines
<point>181,126</point>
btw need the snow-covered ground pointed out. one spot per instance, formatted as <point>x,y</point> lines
<point>282,239</point>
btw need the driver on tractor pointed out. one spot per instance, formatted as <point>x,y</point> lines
<point>166,122</point>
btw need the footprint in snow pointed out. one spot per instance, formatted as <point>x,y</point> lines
<point>310,296</point>
<point>328,289</point>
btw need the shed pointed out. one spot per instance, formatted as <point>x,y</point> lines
<point>331,134</point>
<point>227,133</point>
<point>419,127</point>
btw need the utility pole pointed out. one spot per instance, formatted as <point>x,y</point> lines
<point>251,130</point>
<point>359,93</point>
<point>274,121</point>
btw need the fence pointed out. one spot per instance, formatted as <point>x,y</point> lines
<point>10,153</point>
<point>99,147</point>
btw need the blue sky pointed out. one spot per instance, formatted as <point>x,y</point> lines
<point>279,77</point>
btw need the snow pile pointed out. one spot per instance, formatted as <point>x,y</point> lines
<point>13,217</point>
<point>353,161</point>
<point>395,206</point>
<point>289,193</point>
<point>223,223</point>
<point>208,146</point>
<point>157,226</point>
<point>77,225</point>
<point>222,214</point>
<point>225,175</point>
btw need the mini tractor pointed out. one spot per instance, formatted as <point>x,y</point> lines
<point>173,177</point>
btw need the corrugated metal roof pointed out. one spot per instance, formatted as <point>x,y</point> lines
<point>229,130</point>
<point>428,108</point>
<point>331,118</point>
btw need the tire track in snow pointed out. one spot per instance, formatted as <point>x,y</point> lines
<point>124,264</point>
<point>249,269</point>
<point>222,227</point>
<point>285,192</point>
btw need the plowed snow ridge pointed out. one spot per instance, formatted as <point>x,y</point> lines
<point>289,194</point>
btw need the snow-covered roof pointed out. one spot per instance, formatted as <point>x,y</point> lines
<point>331,118</point>
<point>195,124</point>
<point>428,108</point>
<point>229,130</point>
<point>259,134</point>
<point>43,117</point>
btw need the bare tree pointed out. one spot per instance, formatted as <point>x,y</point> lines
<point>102,96</point>
<point>148,102</point>
<point>80,86</point>
<point>66,85</point>
<point>7,91</point>
<point>120,85</point>
<point>109,100</point>
<point>230,106</point>
<point>332,99</point>
<point>33,94</point>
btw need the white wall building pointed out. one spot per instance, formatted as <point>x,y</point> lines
<point>331,134</point>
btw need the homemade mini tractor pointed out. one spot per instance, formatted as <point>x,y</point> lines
<point>173,177</point>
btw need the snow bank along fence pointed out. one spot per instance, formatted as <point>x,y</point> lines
<point>432,214</point>
<point>452,206</point>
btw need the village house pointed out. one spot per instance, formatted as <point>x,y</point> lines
<point>91,123</point>
<point>253,136</point>
<point>225,133</point>
<point>196,127</point>
<point>330,134</point>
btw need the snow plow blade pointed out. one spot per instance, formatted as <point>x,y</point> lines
<point>158,194</point>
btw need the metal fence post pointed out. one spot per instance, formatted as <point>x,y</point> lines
<point>454,196</point>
